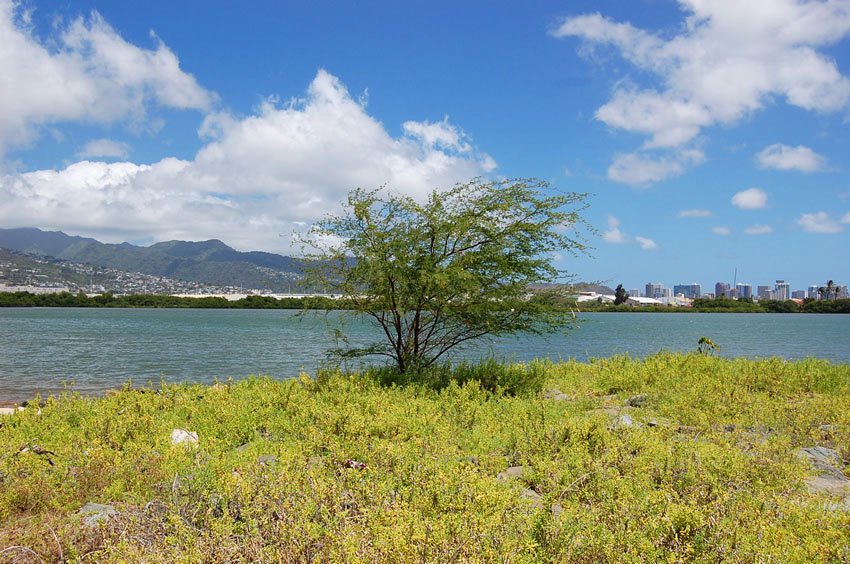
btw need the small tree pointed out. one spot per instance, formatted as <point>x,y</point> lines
<point>457,267</point>
<point>620,295</point>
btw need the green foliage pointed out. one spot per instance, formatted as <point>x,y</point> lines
<point>620,295</point>
<point>435,275</point>
<point>714,480</point>
<point>707,346</point>
<point>65,299</point>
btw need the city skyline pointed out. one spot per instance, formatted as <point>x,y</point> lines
<point>710,135</point>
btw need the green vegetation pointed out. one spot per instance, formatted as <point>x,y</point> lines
<point>456,268</point>
<point>725,305</point>
<point>65,299</point>
<point>342,468</point>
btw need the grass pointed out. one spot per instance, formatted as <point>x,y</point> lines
<point>715,479</point>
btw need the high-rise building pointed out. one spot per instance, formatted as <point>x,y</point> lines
<point>813,292</point>
<point>690,291</point>
<point>655,290</point>
<point>634,293</point>
<point>765,293</point>
<point>843,292</point>
<point>798,294</point>
<point>721,290</point>
<point>783,290</point>
<point>743,291</point>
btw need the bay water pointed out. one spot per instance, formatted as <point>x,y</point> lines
<point>43,350</point>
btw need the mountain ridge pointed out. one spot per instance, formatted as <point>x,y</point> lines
<point>208,262</point>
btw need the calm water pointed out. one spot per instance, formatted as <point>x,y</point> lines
<point>98,349</point>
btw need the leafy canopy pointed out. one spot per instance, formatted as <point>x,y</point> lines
<point>460,266</point>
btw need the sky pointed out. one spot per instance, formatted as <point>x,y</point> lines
<point>711,136</point>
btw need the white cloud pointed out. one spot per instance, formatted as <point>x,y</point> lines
<point>727,60</point>
<point>647,244</point>
<point>783,157</point>
<point>820,222</point>
<point>104,148</point>
<point>695,213</point>
<point>845,218</point>
<point>723,231</point>
<point>613,234</point>
<point>256,178</point>
<point>758,230</point>
<point>750,199</point>
<point>83,71</point>
<point>642,170</point>
<point>730,59</point>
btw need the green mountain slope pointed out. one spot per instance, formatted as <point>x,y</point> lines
<point>208,262</point>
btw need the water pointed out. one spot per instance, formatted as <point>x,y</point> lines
<point>97,349</point>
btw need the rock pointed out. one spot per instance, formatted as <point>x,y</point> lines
<point>96,513</point>
<point>825,460</point>
<point>184,437</point>
<point>267,459</point>
<point>510,473</point>
<point>729,428</point>
<point>556,395</point>
<point>636,401</point>
<point>532,496</point>
<point>830,479</point>
<point>625,420</point>
<point>557,510</point>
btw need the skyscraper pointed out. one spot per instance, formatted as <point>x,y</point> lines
<point>743,291</point>
<point>721,289</point>
<point>783,290</point>
<point>690,291</point>
<point>813,292</point>
<point>655,290</point>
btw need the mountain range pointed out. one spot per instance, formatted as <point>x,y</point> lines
<point>208,262</point>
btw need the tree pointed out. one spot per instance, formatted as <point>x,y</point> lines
<point>620,295</point>
<point>457,267</point>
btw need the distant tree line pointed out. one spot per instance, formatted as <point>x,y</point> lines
<point>66,299</point>
<point>726,305</point>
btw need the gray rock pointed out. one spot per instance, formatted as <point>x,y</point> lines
<point>267,459</point>
<point>510,473</point>
<point>532,496</point>
<point>824,460</point>
<point>637,401</point>
<point>556,395</point>
<point>557,510</point>
<point>96,513</point>
<point>184,437</point>
<point>624,420</point>
<point>830,479</point>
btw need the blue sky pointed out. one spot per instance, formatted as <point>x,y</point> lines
<point>712,135</point>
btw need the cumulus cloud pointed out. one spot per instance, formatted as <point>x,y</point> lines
<point>104,148</point>
<point>846,218</point>
<point>613,234</point>
<point>642,169</point>
<point>750,199</point>
<point>647,244</point>
<point>695,213</point>
<point>84,72</point>
<point>783,157</point>
<point>820,222</point>
<point>616,236</point>
<point>722,231</point>
<point>256,177</point>
<point>758,230</point>
<point>728,60</point>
